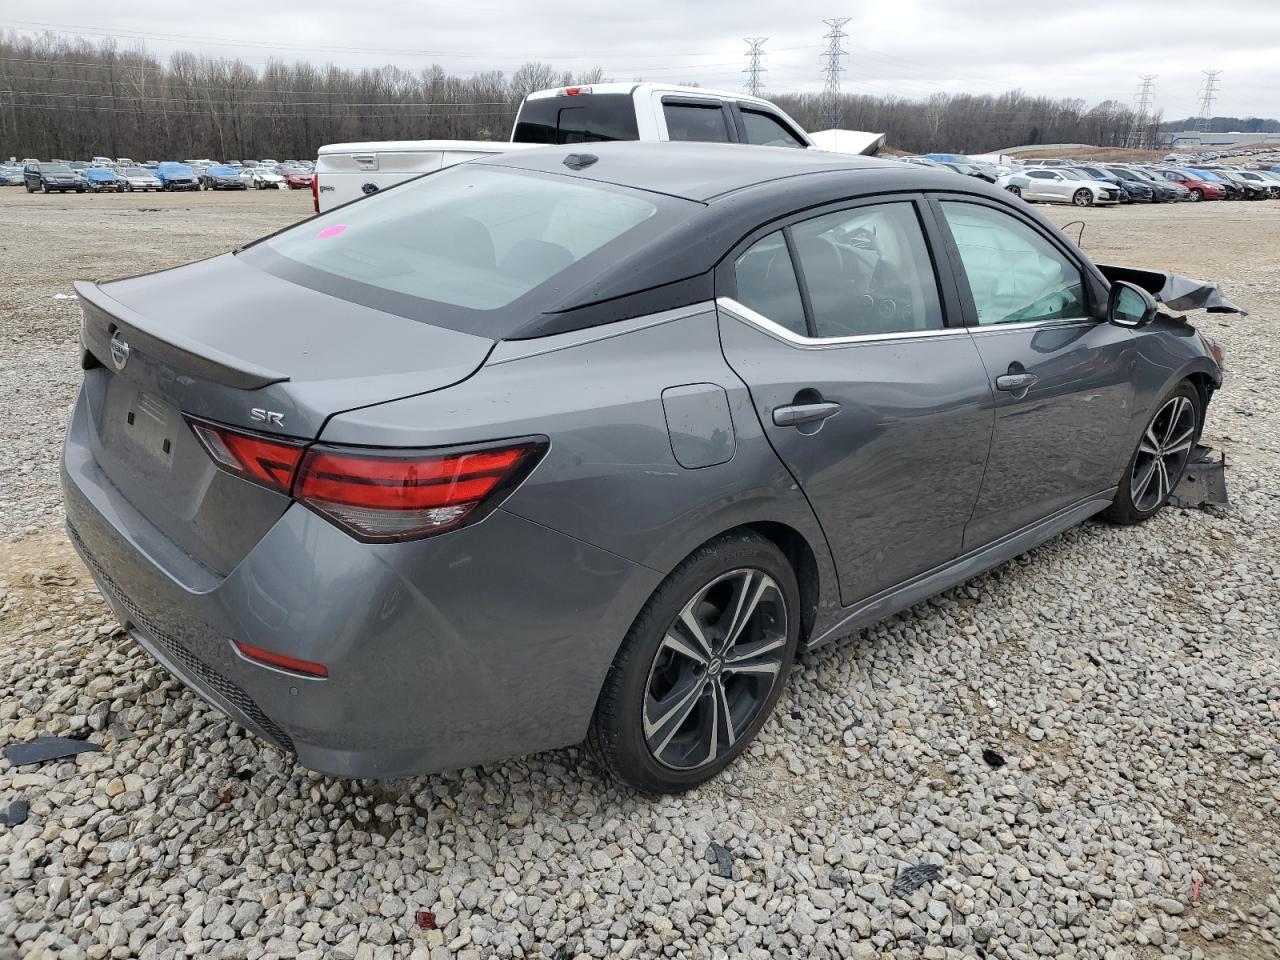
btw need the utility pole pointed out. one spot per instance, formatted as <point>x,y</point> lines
<point>1208,91</point>
<point>834,56</point>
<point>753,69</point>
<point>1138,134</point>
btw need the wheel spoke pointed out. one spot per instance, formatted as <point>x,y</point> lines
<point>689,619</point>
<point>1183,442</point>
<point>757,649</point>
<point>1162,480</point>
<point>712,719</point>
<point>673,641</point>
<point>747,598</point>
<point>673,712</point>
<point>764,668</point>
<point>1140,490</point>
<point>721,703</point>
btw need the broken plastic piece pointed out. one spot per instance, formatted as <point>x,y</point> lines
<point>1174,291</point>
<point>913,878</point>
<point>1204,482</point>
<point>47,748</point>
<point>17,814</point>
<point>720,857</point>
<point>425,919</point>
<point>993,759</point>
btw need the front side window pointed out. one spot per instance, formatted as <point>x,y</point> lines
<point>1015,275</point>
<point>767,283</point>
<point>696,122</point>
<point>868,271</point>
<point>767,131</point>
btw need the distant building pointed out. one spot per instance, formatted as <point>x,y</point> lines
<point>1196,140</point>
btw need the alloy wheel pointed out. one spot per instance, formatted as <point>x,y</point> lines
<point>1162,454</point>
<point>1082,198</point>
<point>714,669</point>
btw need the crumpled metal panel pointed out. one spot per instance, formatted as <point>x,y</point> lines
<point>1173,290</point>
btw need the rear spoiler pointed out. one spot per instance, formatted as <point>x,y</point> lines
<point>104,316</point>
<point>1174,291</point>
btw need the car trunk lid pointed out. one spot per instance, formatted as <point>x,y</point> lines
<point>225,342</point>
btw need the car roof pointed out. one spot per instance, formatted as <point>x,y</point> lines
<point>692,171</point>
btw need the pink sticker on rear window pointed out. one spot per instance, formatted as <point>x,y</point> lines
<point>333,231</point>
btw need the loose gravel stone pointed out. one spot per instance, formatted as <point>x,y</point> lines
<point>1129,679</point>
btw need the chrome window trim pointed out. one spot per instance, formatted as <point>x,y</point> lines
<point>780,332</point>
<point>981,329</point>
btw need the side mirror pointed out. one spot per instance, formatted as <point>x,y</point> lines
<point>1130,305</point>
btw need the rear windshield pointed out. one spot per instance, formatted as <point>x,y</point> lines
<point>475,248</point>
<point>584,118</point>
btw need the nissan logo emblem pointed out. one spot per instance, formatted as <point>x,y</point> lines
<point>119,350</point>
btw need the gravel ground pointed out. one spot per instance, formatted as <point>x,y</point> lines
<point>1129,680</point>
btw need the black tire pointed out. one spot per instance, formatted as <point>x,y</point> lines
<point>617,734</point>
<point>44,188</point>
<point>1016,191</point>
<point>1124,509</point>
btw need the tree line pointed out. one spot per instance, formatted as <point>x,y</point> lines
<point>73,99</point>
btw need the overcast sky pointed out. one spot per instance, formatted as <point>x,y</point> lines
<point>1094,49</point>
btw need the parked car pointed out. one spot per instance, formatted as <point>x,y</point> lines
<point>176,176</point>
<point>1249,189</point>
<point>1162,191</point>
<point>262,178</point>
<point>1233,190</point>
<point>1059,185</point>
<point>100,162</point>
<point>222,177</point>
<point>702,466</point>
<point>51,177</point>
<point>1198,187</point>
<point>1131,190</point>
<point>103,180</point>
<point>296,178</point>
<point>11,176</point>
<point>140,178</point>
<point>1268,177</point>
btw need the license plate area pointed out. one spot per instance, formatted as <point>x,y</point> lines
<point>143,424</point>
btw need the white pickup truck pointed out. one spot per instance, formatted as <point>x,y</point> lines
<point>586,114</point>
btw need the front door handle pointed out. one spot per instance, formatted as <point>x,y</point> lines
<point>1014,382</point>
<point>801,413</point>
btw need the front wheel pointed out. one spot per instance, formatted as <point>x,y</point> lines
<point>1161,457</point>
<point>701,668</point>
<point>1196,196</point>
<point>1016,191</point>
<point>1082,198</point>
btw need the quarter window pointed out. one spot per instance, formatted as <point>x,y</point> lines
<point>767,131</point>
<point>1015,275</point>
<point>767,283</point>
<point>704,123</point>
<point>868,271</point>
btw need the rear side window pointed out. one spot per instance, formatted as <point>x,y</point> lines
<point>767,283</point>
<point>701,123</point>
<point>1015,275</point>
<point>585,118</point>
<point>868,271</point>
<point>767,131</point>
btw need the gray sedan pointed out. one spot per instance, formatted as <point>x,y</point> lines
<point>588,442</point>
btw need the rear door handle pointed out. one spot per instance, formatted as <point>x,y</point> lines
<point>1013,382</point>
<point>802,413</point>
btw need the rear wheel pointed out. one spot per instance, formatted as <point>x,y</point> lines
<point>1016,191</point>
<point>702,667</point>
<point>1160,458</point>
<point>1082,198</point>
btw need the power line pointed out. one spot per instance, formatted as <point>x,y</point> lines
<point>834,55</point>
<point>753,69</point>
<point>1208,91</point>
<point>1137,138</point>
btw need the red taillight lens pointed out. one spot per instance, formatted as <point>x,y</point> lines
<point>315,191</point>
<point>267,461</point>
<point>308,667</point>
<point>395,495</point>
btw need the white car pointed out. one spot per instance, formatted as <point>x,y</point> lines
<point>139,178</point>
<point>263,179</point>
<point>1059,186</point>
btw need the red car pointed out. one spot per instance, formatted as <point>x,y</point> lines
<point>297,179</point>
<point>1200,189</point>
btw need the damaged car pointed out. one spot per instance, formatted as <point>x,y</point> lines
<point>587,441</point>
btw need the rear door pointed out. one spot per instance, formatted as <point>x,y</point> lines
<point>849,337</point>
<point>1060,375</point>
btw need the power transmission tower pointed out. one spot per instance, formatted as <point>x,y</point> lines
<point>834,56</point>
<point>753,69</point>
<point>1208,91</point>
<point>1138,135</point>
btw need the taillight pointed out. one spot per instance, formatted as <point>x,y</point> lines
<point>388,495</point>
<point>279,660</point>
<point>267,461</point>
<point>315,191</point>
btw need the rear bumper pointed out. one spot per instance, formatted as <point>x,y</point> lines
<point>480,644</point>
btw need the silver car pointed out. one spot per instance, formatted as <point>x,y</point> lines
<point>587,442</point>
